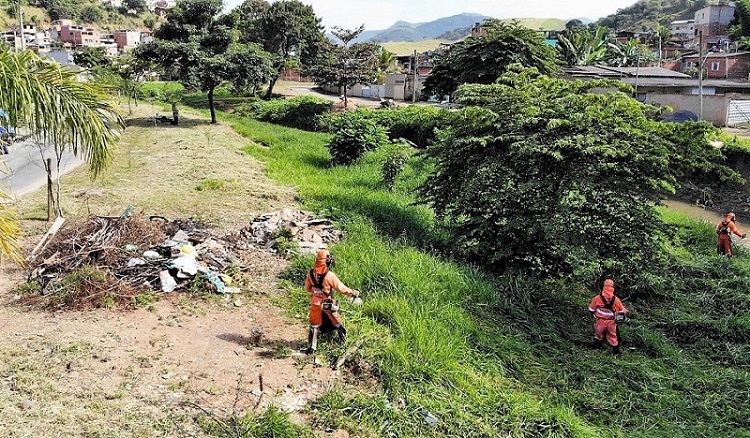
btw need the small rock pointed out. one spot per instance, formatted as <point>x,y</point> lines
<point>28,404</point>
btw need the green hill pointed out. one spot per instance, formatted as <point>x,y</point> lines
<point>91,13</point>
<point>646,14</point>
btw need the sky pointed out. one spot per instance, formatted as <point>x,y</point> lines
<point>381,14</point>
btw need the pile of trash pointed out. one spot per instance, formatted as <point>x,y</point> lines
<point>310,233</point>
<point>86,263</point>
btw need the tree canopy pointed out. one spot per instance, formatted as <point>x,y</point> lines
<point>541,175</point>
<point>287,29</point>
<point>345,65</point>
<point>482,60</point>
<point>196,46</point>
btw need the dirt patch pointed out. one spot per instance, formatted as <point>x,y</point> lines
<point>148,372</point>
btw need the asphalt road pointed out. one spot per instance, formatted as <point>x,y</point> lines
<point>22,170</point>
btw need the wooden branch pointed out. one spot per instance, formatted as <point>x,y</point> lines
<point>347,353</point>
<point>46,239</point>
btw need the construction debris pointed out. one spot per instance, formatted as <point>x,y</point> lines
<point>311,234</point>
<point>110,260</point>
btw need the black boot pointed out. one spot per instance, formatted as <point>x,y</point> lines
<point>596,343</point>
<point>616,350</point>
<point>342,334</point>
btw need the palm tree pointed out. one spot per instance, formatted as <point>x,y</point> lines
<point>56,108</point>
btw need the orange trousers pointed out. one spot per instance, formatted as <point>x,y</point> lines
<point>606,328</point>
<point>316,312</point>
<point>725,245</point>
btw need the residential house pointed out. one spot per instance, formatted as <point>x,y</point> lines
<point>107,41</point>
<point>28,37</point>
<point>79,36</point>
<point>623,36</point>
<point>147,37</point>
<point>713,20</point>
<point>665,88</point>
<point>682,31</point>
<point>127,40</point>
<point>478,31</point>
<point>722,65</point>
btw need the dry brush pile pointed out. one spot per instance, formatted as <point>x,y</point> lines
<point>107,261</point>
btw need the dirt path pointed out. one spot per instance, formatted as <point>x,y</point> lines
<point>145,373</point>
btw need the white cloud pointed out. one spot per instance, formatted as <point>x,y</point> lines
<point>381,14</point>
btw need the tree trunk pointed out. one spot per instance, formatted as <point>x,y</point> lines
<point>271,84</point>
<point>211,104</point>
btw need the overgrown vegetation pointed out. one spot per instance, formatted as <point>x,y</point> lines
<point>511,351</point>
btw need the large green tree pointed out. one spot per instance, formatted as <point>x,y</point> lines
<point>50,102</point>
<point>345,65</point>
<point>196,46</point>
<point>541,175</point>
<point>482,60</point>
<point>288,29</point>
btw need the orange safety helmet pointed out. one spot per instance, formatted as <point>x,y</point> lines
<point>731,216</point>
<point>323,261</point>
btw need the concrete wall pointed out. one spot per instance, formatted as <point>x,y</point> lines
<point>714,107</point>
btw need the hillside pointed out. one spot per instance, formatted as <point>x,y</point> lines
<point>646,14</point>
<point>104,18</point>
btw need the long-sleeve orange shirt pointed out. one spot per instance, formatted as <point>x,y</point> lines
<point>330,282</point>
<point>731,227</point>
<point>600,310</point>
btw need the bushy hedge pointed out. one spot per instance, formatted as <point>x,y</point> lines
<point>303,112</point>
<point>416,123</point>
<point>354,134</point>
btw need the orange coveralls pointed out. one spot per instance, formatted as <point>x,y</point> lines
<point>604,322</point>
<point>330,283</point>
<point>725,242</point>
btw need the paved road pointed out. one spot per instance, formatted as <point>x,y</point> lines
<point>308,90</point>
<point>23,170</point>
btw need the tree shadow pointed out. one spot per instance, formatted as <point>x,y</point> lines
<point>154,122</point>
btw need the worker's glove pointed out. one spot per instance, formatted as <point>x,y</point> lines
<point>355,293</point>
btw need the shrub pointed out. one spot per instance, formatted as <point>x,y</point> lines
<point>416,123</point>
<point>397,154</point>
<point>302,112</point>
<point>354,134</point>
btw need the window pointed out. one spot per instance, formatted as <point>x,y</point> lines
<point>715,65</point>
<point>689,64</point>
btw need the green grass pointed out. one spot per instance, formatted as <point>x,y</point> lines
<point>509,356</point>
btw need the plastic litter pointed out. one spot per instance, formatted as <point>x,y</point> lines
<point>135,262</point>
<point>168,283</point>
<point>130,247</point>
<point>430,419</point>
<point>151,255</point>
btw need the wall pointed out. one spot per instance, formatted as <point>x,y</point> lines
<point>714,107</point>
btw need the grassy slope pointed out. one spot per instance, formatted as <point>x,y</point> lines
<point>504,356</point>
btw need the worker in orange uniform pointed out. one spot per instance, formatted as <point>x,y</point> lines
<point>725,228</point>
<point>320,283</point>
<point>608,310</point>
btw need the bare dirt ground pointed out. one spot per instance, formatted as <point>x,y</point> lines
<point>148,372</point>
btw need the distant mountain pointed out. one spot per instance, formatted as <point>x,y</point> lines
<point>405,31</point>
<point>448,29</point>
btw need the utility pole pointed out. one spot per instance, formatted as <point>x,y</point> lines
<point>414,82</point>
<point>700,75</point>
<point>20,24</point>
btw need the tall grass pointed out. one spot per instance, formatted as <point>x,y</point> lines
<point>509,356</point>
